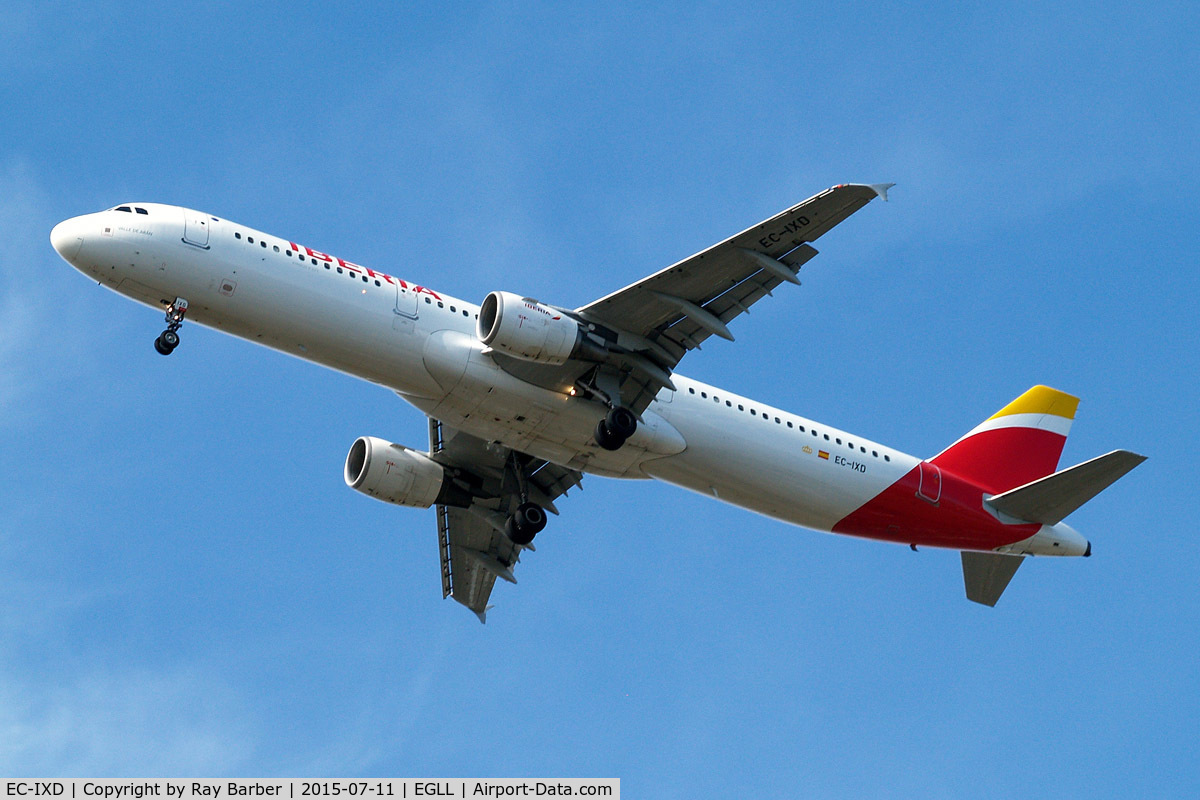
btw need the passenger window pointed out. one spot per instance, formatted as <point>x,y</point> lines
<point>339,270</point>
<point>440,304</point>
<point>887,458</point>
<point>789,424</point>
<point>875,453</point>
<point>827,437</point>
<point>250,239</point>
<point>326,266</point>
<point>377,283</point>
<point>428,301</point>
<point>264,244</point>
<point>753,413</point>
<point>741,407</point>
<point>728,404</point>
<point>465,314</point>
<point>691,390</point>
<point>777,420</point>
<point>276,248</point>
<point>839,441</point>
<point>288,252</point>
<point>237,235</point>
<point>704,395</point>
<point>453,310</point>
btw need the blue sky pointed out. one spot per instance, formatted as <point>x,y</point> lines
<point>187,587</point>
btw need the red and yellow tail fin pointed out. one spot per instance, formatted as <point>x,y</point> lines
<point>1018,444</point>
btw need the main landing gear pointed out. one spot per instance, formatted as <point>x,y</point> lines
<point>525,523</point>
<point>612,431</point>
<point>168,340</point>
<point>529,518</point>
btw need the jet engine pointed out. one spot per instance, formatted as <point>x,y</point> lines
<point>396,474</point>
<point>524,328</point>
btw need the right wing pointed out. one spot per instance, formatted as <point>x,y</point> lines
<point>471,541</point>
<point>677,308</point>
<point>648,326</point>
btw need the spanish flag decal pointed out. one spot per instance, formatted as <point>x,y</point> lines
<point>823,454</point>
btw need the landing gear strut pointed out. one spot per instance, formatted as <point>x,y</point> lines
<point>612,431</point>
<point>168,340</point>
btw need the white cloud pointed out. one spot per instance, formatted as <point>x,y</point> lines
<point>109,724</point>
<point>24,315</point>
<point>44,330</point>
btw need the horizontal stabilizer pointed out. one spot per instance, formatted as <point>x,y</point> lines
<point>1048,500</point>
<point>986,575</point>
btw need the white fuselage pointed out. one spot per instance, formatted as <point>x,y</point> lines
<point>422,344</point>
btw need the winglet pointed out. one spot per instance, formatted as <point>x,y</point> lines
<point>880,189</point>
<point>483,615</point>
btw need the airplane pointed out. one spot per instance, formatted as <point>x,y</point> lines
<point>524,397</point>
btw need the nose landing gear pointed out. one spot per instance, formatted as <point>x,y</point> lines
<point>168,340</point>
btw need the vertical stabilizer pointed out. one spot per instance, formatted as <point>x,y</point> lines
<point>1018,444</point>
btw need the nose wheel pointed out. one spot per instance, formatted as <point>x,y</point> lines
<point>168,340</point>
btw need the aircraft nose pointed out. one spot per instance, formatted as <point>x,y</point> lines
<point>67,237</point>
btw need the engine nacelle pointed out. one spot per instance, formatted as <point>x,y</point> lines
<point>525,328</point>
<point>395,474</point>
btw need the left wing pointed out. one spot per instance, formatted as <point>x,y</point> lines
<point>474,548</point>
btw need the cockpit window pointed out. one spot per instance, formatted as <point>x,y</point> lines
<point>140,210</point>
<point>124,208</point>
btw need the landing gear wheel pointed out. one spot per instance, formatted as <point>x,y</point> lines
<point>166,342</point>
<point>606,438</point>
<point>621,422</point>
<point>612,431</point>
<point>526,523</point>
